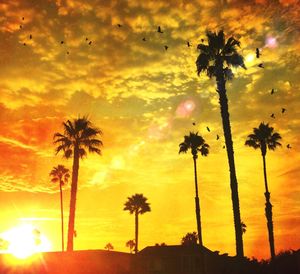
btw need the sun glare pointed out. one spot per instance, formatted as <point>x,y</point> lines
<point>25,240</point>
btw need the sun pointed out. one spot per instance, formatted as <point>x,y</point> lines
<point>25,240</point>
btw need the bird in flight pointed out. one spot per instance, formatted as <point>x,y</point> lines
<point>261,65</point>
<point>272,91</point>
<point>188,43</point>
<point>159,30</point>
<point>119,25</point>
<point>86,39</point>
<point>283,110</point>
<point>218,137</point>
<point>90,42</point>
<point>208,129</point>
<point>20,26</point>
<point>68,52</point>
<point>24,44</point>
<point>257,53</point>
<point>202,40</point>
<point>30,36</point>
<point>23,18</point>
<point>288,146</point>
<point>144,39</point>
<point>272,116</point>
<point>61,42</point>
<point>194,123</point>
<point>223,147</point>
<point>166,47</point>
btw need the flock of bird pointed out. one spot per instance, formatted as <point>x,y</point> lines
<point>159,30</point>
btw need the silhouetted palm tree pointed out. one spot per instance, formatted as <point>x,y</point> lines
<point>212,59</point>
<point>130,244</point>
<point>264,137</point>
<point>109,247</point>
<point>190,239</point>
<point>61,175</point>
<point>196,144</point>
<point>137,204</point>
<point>78,138</point>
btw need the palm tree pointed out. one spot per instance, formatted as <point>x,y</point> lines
<point>78,138</point>
<point>60,174</point>
<point>196,144</point>
<point>264,137</point>
<point>109,247</point>
<point>216,59</point>
<point>130,244</point>
<point>137,204</point>
<point>190,239</point>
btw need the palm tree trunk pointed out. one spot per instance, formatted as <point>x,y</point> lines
<point>268,212</point>
<point>136,232</point>
<point>62,217</point>
<point>73,200</point>
<point>198,216</point>
<point>197,204</point>
<point>230,155</point>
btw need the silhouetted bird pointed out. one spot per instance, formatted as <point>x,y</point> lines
<point>24,44</point>
<point>30,36</point>
<point>272,116</point>
<point>166,47</point>
<point>261,65</point>
<point>20,26</point>
<point>144,39</point>
<point>208,129</point>
<point>288,146</point>
<point>223,147</point>
<point>218,137</point>
<point>257,53</point>
<point>283,110</point>
<point>119,25</point>
<point>202,40</point>
<point>90,42</point>
<point>61,42</point>
<point>188,43</point>
<point>86,39</point>
<point>68,52</point>
<point>23,18</point>
<point>159,30</point>
<point>194,123</point>
<point>272,91</point>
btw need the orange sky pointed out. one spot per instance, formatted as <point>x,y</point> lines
<point>133,90</point>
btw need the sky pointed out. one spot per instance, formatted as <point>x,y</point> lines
<point>145,99</point>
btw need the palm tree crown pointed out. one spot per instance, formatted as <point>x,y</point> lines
<point>196,143</point>
<point>263,137</point>
<point>137,204</point>
<point>60,174</point>
<point>79,134</point>
<point>216,53</point>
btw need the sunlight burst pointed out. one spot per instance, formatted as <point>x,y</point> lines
<point>25,240</point>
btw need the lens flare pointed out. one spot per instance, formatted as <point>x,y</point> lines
<point>185,108</point>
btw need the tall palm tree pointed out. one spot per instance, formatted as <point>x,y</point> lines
<point>61,175</point>
<point>196,144</point>
<point>137,204</point>
<point>264,137</point>
<point>216,59</point>
<point>78,138</point>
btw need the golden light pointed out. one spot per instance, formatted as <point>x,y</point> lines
<point>25,240</point>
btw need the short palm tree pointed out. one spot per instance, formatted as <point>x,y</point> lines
<point>130,244</point>
<point>265,138</point>
<point>61,175</point>
<point>195,143</point>
<point>216,59</point>
<point>189,239</point>
<point>137,204</point>
<point>78,138</point>
<point>109,247</point>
